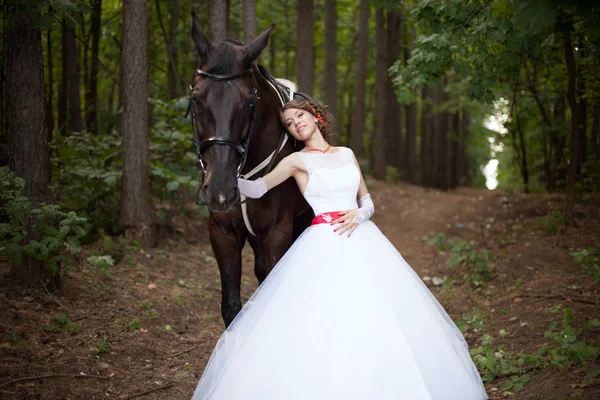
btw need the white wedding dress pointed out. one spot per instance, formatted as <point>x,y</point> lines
<point>340,318</point>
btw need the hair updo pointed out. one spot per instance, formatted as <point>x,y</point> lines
<point>324,118</point>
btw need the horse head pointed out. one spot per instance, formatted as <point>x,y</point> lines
<point>224,101</point>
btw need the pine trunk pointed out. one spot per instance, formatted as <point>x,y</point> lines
<point>395,153</point>
<point>572,97</point>
<point>218,14</point>
<point>50,88</point>
<point>92,93</point>
<point>73,79</point>
<point>426,152</point>
<point>249,20</point>
<point>595,141</point>
<point>330,71</point>
<point>381,96</point>
<point>137,211</point>
<point>174,81</point>
<point>26,136</point>
<point>305,53</point>
<point>412,164</point>
<point>462,159</point>
<point>63,124</point>
<point>358,116</point>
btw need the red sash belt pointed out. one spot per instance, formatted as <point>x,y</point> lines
<point>326,218</point>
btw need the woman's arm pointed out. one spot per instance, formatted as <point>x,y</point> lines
<point>287,168</point>
<point>362,188</point>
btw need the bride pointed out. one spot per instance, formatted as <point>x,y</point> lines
<point>342,315</point>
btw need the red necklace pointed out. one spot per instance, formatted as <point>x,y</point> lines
<point>319,150</point>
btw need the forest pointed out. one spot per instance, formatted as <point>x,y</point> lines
<point>476,124</point>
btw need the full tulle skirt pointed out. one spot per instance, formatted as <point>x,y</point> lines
<point>341,318</point>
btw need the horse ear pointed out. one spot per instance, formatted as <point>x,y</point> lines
<point>253,50</point>
<point>203,46</point>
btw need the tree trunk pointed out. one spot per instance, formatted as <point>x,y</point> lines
<point>50,91</point>
<point>288,40</point>
<point>595,142</point>
<point>63,125</point>
<point>381,92</point>
<point>330,71</point>
<point>26,135</point>
<point>73,79</point>
<point>394,149</point>
<point>412,164</point>
<point>426,153</point>
<point>358,117</point>
<point>521,151</point>
<point>454,146</point>
<point>92,92</point>
<point>176,87</point>
<point>218,14</point>
<point>462,158</point>
<point>249,20</point>
<point>173,80</point>
<point>137,211</point>
<point>436,142</point>
<point>305,52</point>
<point>572,97</point>
<point>582,128</point>
<point>444,138</point>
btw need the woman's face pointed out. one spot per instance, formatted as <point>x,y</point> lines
<point>300,123</point>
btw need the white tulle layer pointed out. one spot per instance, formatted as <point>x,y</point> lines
<point>341,318</point>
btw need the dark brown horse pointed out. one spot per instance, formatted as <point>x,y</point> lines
<point>236,117</point>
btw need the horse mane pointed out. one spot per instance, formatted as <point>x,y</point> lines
<point>224,58</point>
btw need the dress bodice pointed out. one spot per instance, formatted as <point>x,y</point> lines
<point>333,180</point>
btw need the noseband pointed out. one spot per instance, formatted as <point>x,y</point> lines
<point>203,145</point>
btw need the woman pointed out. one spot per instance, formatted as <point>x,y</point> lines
<point>342,315</point>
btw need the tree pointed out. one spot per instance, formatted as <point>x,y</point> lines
<point>72,65</point>
<point>381,97</point>
<point>358,117</point>
<point>305,53</point>
<point>50,87</point>
<point>137,210</point>
<point>394,149</point>
<point>91,98</point>
<point>330,71</point>
<point>250,20</point>
<point>26,136</point>
<point>218,15</point>
<point>410,154</point>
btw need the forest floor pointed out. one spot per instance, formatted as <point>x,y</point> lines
<point>147,330</point>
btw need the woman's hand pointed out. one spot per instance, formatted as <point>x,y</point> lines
<point>344,223</point>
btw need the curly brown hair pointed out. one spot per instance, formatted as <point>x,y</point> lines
<point>324,117</point>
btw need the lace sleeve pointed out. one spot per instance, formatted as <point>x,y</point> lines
<point>366,209</point>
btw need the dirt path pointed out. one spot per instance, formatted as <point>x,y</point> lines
<point>151,326</point>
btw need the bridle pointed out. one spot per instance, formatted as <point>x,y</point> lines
<point>203,145</point>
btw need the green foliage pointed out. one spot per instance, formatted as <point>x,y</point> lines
<point>551,223</point>
<point>134,325</point>
<point>567,350</point>
<point>462,254</point>
<point>63,321</point>
<point>87,177</point>
<point>587,260</point>
<point>101,346</point>
<point>16,338</point>
<point>54,232</point>
<point>497,362</point>
<point>101,263</point>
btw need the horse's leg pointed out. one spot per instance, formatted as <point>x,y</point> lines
<point>302,222</point>
<point>260,269</point>
<point>279,240</point>
<point>228,252</point>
